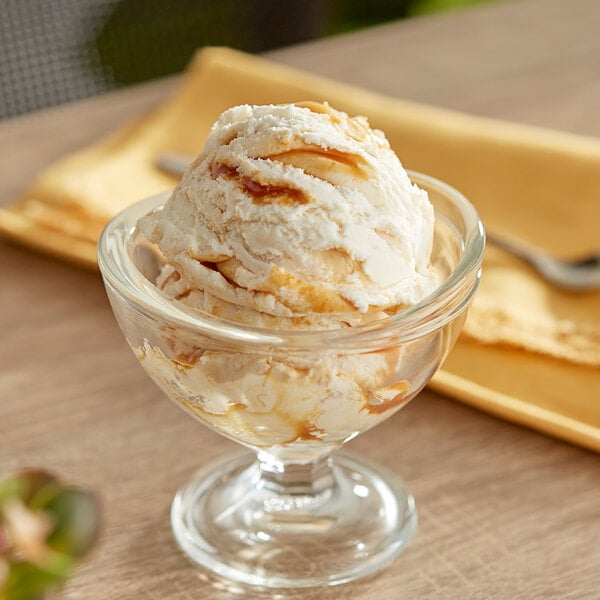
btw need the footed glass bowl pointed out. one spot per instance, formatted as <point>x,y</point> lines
<point>294,512</point>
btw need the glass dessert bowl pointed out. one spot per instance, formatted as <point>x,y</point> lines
<point>295,512</point>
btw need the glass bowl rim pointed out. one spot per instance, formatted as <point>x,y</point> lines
<point>121,275</point>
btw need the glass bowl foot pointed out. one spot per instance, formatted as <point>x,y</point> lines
<point>343,522</point>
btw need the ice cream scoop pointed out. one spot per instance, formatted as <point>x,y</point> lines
<point>294,210</point>
<point>293,217</point>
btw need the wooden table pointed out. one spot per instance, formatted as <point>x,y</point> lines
<point>504,512</point>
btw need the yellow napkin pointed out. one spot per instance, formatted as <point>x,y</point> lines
<point>529,352</point>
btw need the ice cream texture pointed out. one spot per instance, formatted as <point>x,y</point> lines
<point>294,210</point>
<point>293,216</point>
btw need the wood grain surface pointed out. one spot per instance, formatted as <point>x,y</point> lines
<point>504,512</point>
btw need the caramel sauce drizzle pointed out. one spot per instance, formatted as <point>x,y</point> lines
<point>188,359</point>
<point>265,194</point>
<point>209,265</point>
<point>398,400</point>
<point>261,194</point>
<point>354,162</point>
<point>174,276</point>
<point>183,295</point>
<point>306,431</point>
<point>379,409</point>
<point>218,169</point>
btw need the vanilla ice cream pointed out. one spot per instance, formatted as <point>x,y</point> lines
<point>298,209</point>
<point>293,216</point>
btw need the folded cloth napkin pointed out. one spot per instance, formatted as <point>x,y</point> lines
<point>529,352</point>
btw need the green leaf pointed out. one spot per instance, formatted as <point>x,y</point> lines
<point>25,484</point>
<point>29,582</point>
<point>11,487</point>
<point>76,522</point>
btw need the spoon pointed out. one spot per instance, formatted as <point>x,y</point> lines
<point>579,275</point>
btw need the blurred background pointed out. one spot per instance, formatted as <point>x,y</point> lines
<point>56,51</point>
